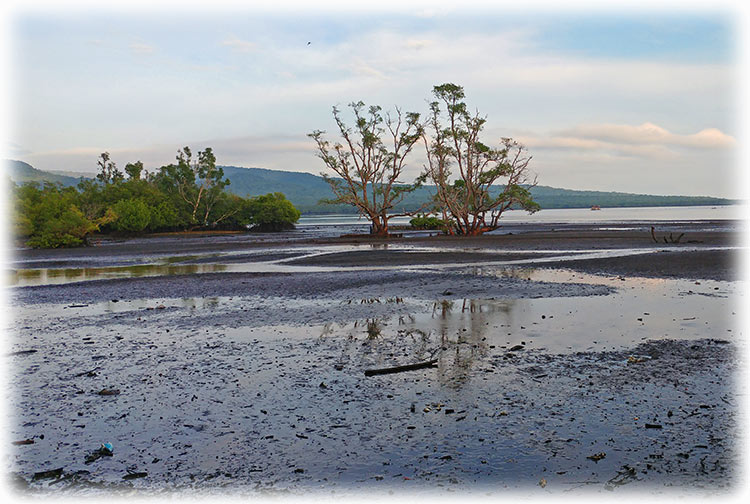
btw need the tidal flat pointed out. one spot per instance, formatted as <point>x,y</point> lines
<point>569,361</point>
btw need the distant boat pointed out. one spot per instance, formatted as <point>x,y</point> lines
<point>596,207</point>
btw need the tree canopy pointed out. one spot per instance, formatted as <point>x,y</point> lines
<point>369,160</point>
<point>464,169</point>
<point>186,195</point>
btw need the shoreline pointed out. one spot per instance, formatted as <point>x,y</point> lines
<point>700,254</point>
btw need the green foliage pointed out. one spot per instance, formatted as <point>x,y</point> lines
<point>133,215</point>
<point>272,212</point>
<point>108,172</point>
<point>422,221</point>
<point>49,217</point>
<point>455,151</point>
<point>369,161</point>
<point>134,170</point>
<point>186,195</point>
<point>195,188</point>
<point>164,217</point>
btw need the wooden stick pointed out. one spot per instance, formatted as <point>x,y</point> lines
<point>399,369</point>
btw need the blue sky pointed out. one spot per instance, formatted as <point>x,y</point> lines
<point>636,101</point>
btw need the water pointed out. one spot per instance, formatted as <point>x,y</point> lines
<point>570,216</point>
<point>223,263</point>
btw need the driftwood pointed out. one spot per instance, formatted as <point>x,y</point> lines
<point>399,369</point>
<point>672,239</point>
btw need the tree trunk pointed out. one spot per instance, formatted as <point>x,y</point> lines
<point>378,228</point>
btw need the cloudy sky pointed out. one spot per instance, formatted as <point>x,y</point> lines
<point>636,100</point>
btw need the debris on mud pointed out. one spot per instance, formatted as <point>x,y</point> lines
<point>134,475</point>
<point>626,475</point>
<point>400,369</point>
<point>104,450</point>
<point>51,474</point>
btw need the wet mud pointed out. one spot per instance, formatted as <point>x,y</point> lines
<point>546,381</point>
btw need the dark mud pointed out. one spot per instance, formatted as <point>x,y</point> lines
<point>693,264</point>
<point>240,414</point>
<point>344,284</point>
<point>412,257</point>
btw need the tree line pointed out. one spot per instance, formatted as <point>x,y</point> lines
<point>189,194</point>
<point>370,157</point>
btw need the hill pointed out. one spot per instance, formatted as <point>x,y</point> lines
<point>305,190</point>
<point>21,172</point>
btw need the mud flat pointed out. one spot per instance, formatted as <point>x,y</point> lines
<point>548,379</point>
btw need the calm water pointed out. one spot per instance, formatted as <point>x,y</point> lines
<point>574,215</point>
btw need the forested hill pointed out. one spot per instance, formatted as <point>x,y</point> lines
<point>305,190</point>
<point>21,172</point>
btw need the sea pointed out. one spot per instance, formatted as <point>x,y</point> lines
<point>729,217</point>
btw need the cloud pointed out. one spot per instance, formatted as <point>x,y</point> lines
<point>418,44</point>
<point>239,45</point>
<point>267,151</point>
<point>14,149</point>
<point>141,48</point>
<point>645,141</point>
<point>650,134</point>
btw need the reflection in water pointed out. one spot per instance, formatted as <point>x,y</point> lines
<point>461,334</point>
<point>523,273</point>
<point>464,337</point>
<point>25,277</point>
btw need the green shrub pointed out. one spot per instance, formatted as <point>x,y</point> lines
<point>272,212</point>
<point>68,229</point>
<point>133,215</point>
<point>422,221</point>
<point>50,217</point>
<point>164,216</point>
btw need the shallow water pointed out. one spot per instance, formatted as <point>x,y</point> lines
<point>571,215</point>
<point>242,262</point>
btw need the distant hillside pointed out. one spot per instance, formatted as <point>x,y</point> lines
<point>74,174</point>
<point>305,190</point>
<point>21,172</point>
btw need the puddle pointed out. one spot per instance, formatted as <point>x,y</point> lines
<point>57,276</point>
<point>637,309</point>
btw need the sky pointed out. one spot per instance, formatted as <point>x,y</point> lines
<point>645,100</point>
